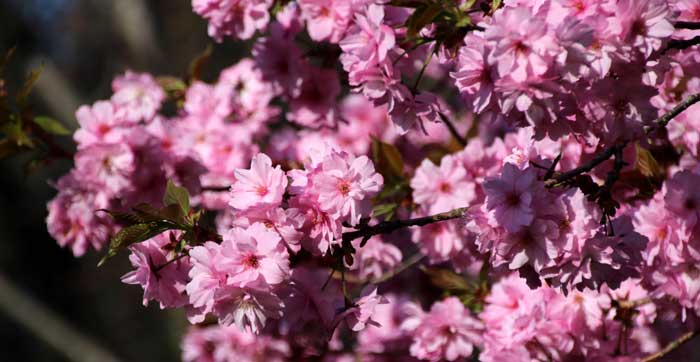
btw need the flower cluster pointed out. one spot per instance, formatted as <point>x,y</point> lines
<point>410,180</point>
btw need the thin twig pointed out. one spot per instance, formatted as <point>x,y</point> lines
<point>216,188</point>
<point>412,260</point>
<point>662,121</point>
<point>671,346</point>
<point>687,25</point>
<point>453,130</point>
<point>681,44</point>
<point>387,227</point>
<point>603,156</point>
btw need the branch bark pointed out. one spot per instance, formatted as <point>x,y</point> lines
<point>671,346</point>
<point>681,44</point>
<point>687,25</point>
<point>453,130</point>
<point>603,156</point>
<point>678,109</point>
<point>387,227</point>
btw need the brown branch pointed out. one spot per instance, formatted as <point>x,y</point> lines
<point>387,227</point>
<point>671,346</point>
<point>412,260</point>
<point>453,130</point>
<point>215,188</point>
<point>606,154</point>
<point>662,121</point>
<point>687,25</point>
<point>681,44</point>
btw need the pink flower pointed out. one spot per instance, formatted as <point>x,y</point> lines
<point>212,290</point>
<point>473,75</point>
<point>510,196</point>
<point>100,123</point>
<point>249,94</point>
<point>234,18</point>
<point>683,196</point>
<point>256,255</point>
<point>441,189</point>
<point>643,24</point>
<point>521,44</point>
<point>107,167</point>
<point>534,244</point>
<point>73,219</point>
<point>280,60</point>
<point>216,343</point>
<point>364,308</point>
<point>138,94</point>
<point>365,51</point>
<point>326,19</point>
<point>375,258</point>
<point>346,184</point>
<point>446,332</point>
<point>261,186</point>
<point>315,105</point>
<point>285,222</point>
<point>248,308</point>
<point>163,278</point>
<point>321,230</point>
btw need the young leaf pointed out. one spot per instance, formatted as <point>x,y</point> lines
<point>446,279</point>
<point>646,163</point>
<point>51,126</point>
<point>29,84</point>
<point>130,235</point>
<point>197,64</point>
<point>176,195</point>
<point>387,159</point>
<point>423,16</point>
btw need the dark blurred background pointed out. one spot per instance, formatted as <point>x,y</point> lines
<point>82,45</point>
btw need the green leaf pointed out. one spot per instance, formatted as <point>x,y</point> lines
<point>130,235</point>
<point>29,84</point>
<point>13,130</point>
<point>446,279</point>
<point>423,16</point>
<point>385,209</point>
<point>195,69</point>
<point>387,159</point>
<point>647,164</point>
<point>51,126</point>
<point>176,195</point>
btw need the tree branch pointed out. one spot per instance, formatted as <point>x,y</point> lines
<point>671,346</point>
<point>606,154</point>
<point>453,130</point>
<point>662,121</point>
<point>687,25</point>
<point>387,227</point>
<point>681,44</point>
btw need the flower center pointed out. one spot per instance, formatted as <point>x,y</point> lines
<point>344,187</point>
<point>512,199</point>
<point>262,190</point>
<point>251,261</point>
<point>445,187</point>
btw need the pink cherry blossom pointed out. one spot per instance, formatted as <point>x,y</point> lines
<point>260,186</point>
<point>510,196</point>
<point>162,275</point>
<point>233,18</point>
<point>256,254</point>
<point>446,332</point>
<point>138,94</point>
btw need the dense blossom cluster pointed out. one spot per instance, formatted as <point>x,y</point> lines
<point>513,149</point>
